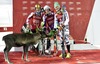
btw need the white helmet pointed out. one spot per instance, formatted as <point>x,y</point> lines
<point>46,7</point>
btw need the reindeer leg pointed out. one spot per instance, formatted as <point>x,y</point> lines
<point>43,46</point>
<point>26,51</point>
<point>6,50</point>
<point>23,53</point>
<point>5,53</point>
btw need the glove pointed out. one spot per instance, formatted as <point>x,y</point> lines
<point>42,24</point>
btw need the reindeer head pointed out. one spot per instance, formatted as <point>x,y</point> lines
<point>44,34</point>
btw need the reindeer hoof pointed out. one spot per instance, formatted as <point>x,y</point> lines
<point>10,63</point>
<point>22,58</point>
<point>5,60</point>
<point>27,60</point>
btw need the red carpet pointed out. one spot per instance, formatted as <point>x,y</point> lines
<point>78,57</point>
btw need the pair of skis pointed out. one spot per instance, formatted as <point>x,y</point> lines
<point>63,39</point>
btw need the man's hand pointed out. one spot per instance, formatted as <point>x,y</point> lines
<point>62,25</point>
<point>59,28</point>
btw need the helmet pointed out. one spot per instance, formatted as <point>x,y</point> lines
<point>37,6</point>
<point>46,7</point>
<point>56,4</point>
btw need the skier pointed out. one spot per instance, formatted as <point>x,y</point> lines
<point>34,22</point>
<point>48,19</point>
<point>62,23</point>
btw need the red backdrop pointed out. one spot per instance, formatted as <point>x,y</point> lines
<point>79,12</point>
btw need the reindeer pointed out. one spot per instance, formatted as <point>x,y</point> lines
<point>20,39</point>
